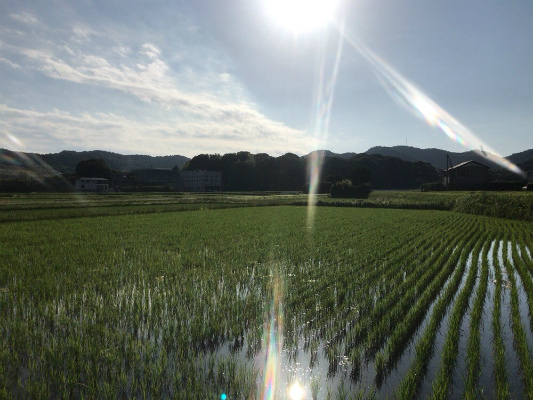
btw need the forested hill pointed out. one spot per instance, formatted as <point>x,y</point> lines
<point>524,159</point>
<point>66,161</point>
<point>437,157</point>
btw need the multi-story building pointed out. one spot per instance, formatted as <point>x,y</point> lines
<point>201,181</point>
<point>92,185</point>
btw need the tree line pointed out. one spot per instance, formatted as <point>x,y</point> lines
<point>289,172</point>
<point>244,171</point>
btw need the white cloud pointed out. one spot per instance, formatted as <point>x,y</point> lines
<point>150,82</point>
<point>10,63</point>
<point>56,130</point>
<point>121,50</point>
<point>25,18</point>
<point>195,111</point>
<point>225,77</point>
<point>81,34</point>
<point>150,50</point>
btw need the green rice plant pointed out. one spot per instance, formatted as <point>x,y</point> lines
<point>410,385</point>
<point>381,275</point>
<point>501,382</point>
<point>443,380</point>
<point>521,267</point>
<point>178,304</point>
<point>379,281</point>
<point>315,388</point>
<point>472,390</point>
<point>389,306</point>
<point>520,342</point>
<point>411,320</point>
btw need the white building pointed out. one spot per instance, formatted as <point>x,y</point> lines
<point>201,181</point>
<point>92,185</point>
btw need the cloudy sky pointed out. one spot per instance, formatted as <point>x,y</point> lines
<point>187,77</point>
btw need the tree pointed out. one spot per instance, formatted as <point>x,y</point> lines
<point>93,168</point>
<point>360,174</point>
<point>335,166</point>
<point>347,190</point>
<point>133,180</point>
<point>240,176</point>
<point>203,162</point>
<point>289,172</point>
<point>332,178</point>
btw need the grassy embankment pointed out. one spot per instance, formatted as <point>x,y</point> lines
<point>36,206</point>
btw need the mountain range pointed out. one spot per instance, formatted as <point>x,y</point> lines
<point>65,161</point>
<point>437,157</point>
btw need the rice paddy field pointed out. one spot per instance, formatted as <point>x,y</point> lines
<point>264,303</point>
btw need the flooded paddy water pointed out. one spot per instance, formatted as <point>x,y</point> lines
<point>320,379</point>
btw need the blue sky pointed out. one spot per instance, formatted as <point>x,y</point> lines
<point>209,76</point>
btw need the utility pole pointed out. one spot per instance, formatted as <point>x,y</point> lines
<point>448,167</point>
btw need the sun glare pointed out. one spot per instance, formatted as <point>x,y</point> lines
<point>301,15</point>
<point>296,391</point>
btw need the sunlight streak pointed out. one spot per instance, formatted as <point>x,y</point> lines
<point>324,102</point>
<point>26,167</point>
<point>15,140</point>
<point>421,105</point>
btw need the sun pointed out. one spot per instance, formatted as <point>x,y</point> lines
<point>296,391</point>
<point>301,15</point>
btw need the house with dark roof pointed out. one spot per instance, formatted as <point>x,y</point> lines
<point>467,173</point>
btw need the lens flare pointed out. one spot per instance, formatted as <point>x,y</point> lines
<point>314,166</point>
<point>324,102</point>
<point>27,167</point>
<point>421,105</point>
<point>273,341</point>
<point>15,140</point>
